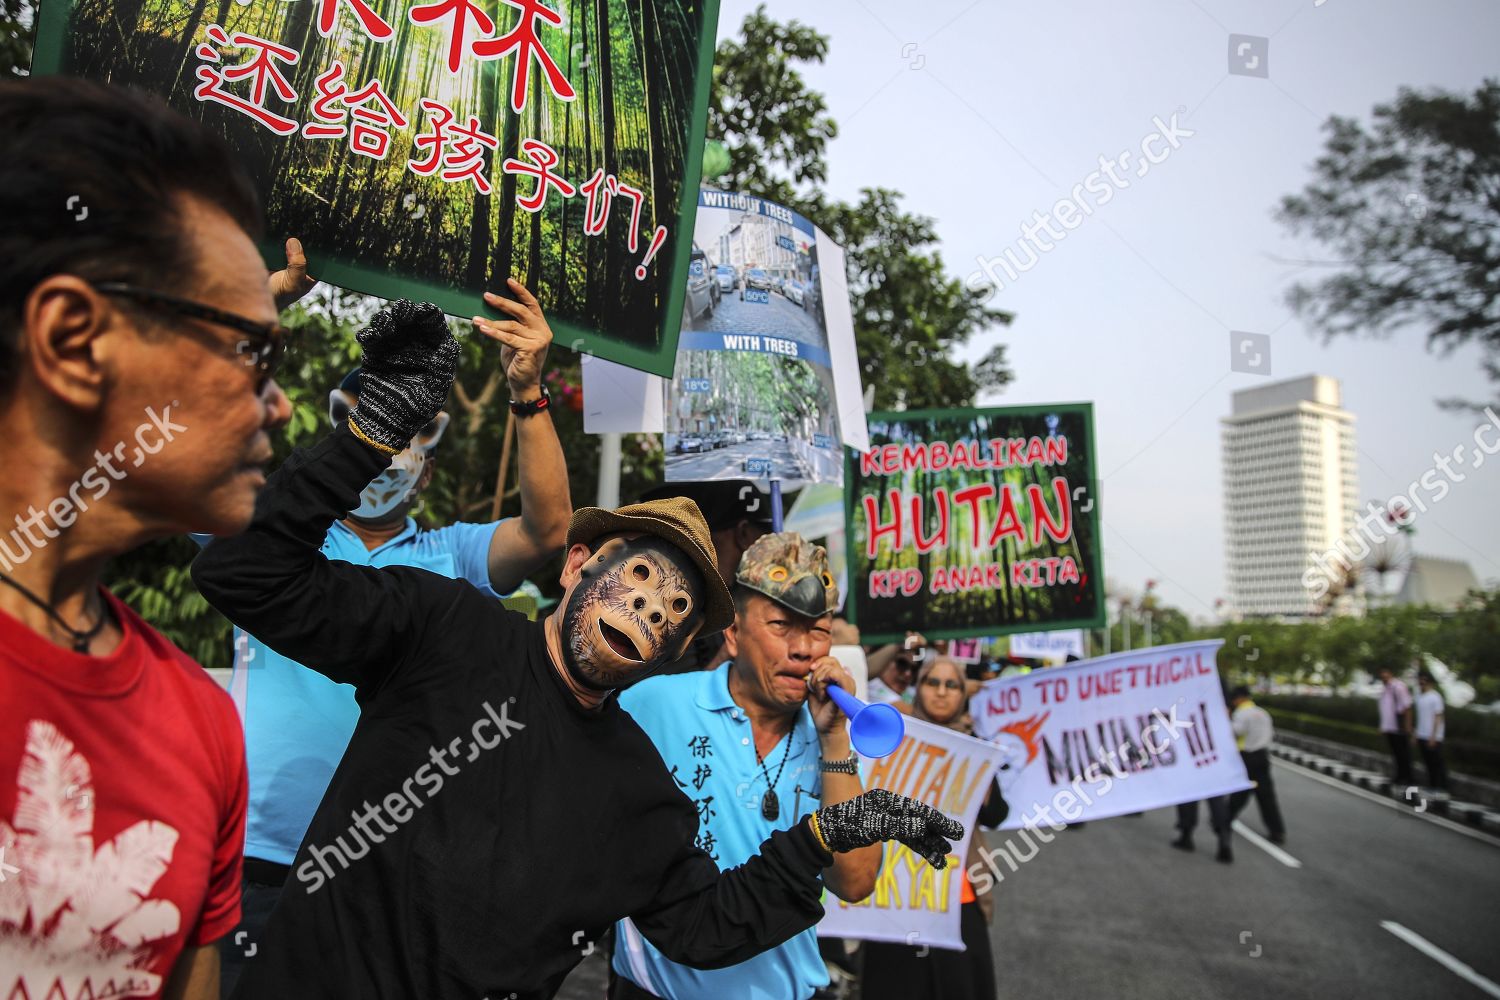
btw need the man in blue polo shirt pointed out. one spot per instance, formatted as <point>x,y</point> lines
<point>297,722</point>
<point>756,744</point>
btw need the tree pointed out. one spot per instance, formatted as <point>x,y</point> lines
<point>902,294</point>
<point>1469,639</point>
<point>1410,208</point>
<point>909,313</point>
<point>772,154</point>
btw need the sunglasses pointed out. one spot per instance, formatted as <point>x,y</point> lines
<point>263,346</point>
<point>933,682</point>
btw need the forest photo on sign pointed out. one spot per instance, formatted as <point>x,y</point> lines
<point>432,150</point>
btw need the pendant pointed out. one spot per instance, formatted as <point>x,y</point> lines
<point>770,808</point>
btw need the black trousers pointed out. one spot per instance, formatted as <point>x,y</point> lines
<point>901,972</point>
<point>1401,752</point>
<point>621,988</point>
<point>1218,817</point>
<point>1432,759</point>
<point>1258,768</point>
<point>259,891</point>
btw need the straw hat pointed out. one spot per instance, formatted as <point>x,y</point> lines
<point>677,521</point>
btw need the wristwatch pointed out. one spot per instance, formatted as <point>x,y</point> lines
<point>849,765</point>
<point>535,406</point>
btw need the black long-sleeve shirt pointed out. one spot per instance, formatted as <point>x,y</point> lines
<point>483,827</point>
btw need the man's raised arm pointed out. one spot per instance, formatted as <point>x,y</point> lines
<point>352,623</point>
<point>521,546</point>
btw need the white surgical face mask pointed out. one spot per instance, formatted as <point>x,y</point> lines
<point>394,485</point>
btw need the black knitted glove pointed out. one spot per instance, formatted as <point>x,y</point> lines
<point>409,362</point>
<point>880,815</point>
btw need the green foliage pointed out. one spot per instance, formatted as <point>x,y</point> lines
<point>1334,650</point>
<point>1469,641</point>
<point>909,314</point>
<point>154,579</point>
<point>757,75</point>
<point>1471,739</point>
<point>1410,209</point>
<point>756,391</point>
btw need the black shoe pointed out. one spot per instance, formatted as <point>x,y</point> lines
<point>1184,842</point>
<point>1278,838</point>
<point>1226,854</point>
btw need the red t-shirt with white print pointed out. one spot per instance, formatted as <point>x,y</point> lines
<point>122,813</point>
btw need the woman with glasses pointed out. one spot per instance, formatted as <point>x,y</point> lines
<point>902,972</point>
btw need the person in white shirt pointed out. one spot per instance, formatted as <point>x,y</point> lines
<point>1430,730</point>
<point>1254,732</point>
<point>1395,723</point>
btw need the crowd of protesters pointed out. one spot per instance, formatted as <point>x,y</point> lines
<point>363,643</point>
<point>685,787</point>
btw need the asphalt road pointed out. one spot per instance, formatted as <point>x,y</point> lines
<point>778,317</point>
<point>727,462</point>
<point>1110,911</point>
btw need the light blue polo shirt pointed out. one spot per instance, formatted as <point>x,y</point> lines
<point>298,722</point>
<point>705,740</point>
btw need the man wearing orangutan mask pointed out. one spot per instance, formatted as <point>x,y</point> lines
<point>496,806</point>
<point>298,722</point>
<point>633,606</point>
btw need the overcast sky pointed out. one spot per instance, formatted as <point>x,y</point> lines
<point>984,113</point>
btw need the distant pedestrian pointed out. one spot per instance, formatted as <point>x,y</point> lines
<point>1430,726</point>
<point>1395,723</point>
<point>1253,732</point>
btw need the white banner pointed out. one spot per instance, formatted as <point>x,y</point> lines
<point>1119,734</point>
<point>1048,645</point>
<point>912,903</point>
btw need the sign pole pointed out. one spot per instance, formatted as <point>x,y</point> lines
<point>609,471</point>
<point>776,505</point>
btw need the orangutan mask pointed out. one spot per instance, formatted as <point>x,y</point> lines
<point>637,605</point>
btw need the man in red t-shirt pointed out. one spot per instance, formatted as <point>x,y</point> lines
<point>137,341</point>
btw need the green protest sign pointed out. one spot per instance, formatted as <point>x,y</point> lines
<point>974,522</point>
<point>433,149</point>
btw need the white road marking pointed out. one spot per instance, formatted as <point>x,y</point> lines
<point>1405,810</point>
<point>1266,845</point>
<point>1441,957</point>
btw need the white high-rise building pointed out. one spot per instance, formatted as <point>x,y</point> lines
<point>1291,487</point>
